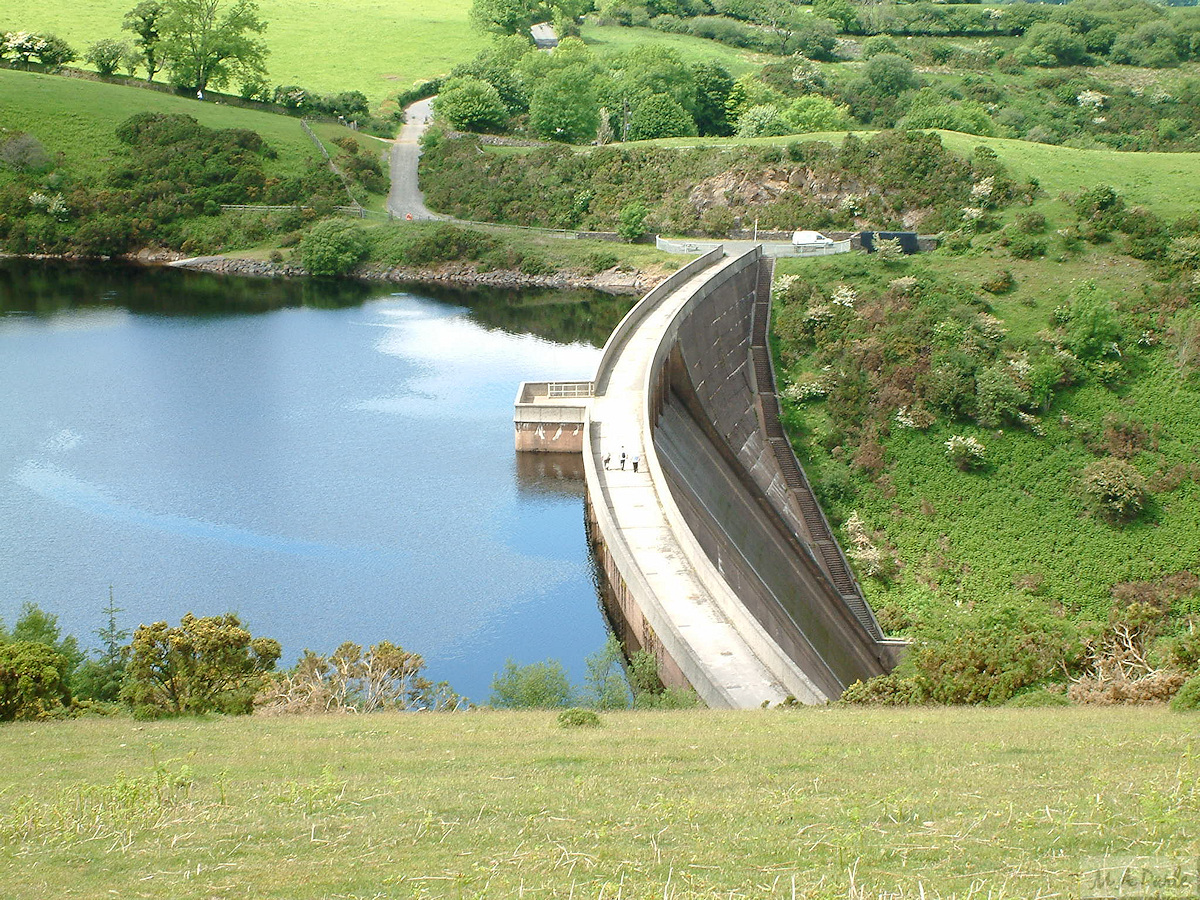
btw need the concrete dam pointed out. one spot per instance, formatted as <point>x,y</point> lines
<point>717,557</point>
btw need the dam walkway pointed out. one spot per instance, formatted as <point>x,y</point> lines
<point>715,556</point>
<point>650,550</point>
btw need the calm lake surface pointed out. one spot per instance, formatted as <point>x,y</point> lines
<point>331,461</point>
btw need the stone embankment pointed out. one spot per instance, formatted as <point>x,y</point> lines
<point>610,281</point>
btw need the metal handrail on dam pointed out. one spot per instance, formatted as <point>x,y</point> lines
<point>712,556</point>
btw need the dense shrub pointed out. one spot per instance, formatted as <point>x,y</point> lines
<point>33,683</point>
<point>578,718</point>
<point>543,685</point>
<point>1116,489</point>
<point>1187,699</point>
<point>206,664</point>
<point>332,247</point>
<point>885,690</point>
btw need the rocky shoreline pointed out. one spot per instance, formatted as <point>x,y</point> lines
<point>610,281</point>
<point>616,281</point>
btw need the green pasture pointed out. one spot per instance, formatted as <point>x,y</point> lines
<point>78,118</point>
<point>614,38</point>
<point>372,46</point>
<point>837,802</point>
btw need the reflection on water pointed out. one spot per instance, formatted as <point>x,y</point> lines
<point>553,474</point>
<point>333,460</point>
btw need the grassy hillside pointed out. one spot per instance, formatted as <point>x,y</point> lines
<point>78,118</point>
<point>366,45</point>
<point>949,803</point>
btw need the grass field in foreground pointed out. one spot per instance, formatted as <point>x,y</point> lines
<point>79,118</point>
<point>912,803</point>
<point>1168,183</point>
<point>372,46</point>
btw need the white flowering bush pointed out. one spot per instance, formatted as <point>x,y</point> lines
<point>24,45</point>
<point>844,295</point>
<point>54,206</point>
<point>966,452</point>
<point>871,560</point>
<point>809,386</point>
<point>1091,99</point>
<point>983,189</point>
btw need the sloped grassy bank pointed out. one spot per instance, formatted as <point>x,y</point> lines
<point>861,803</point>
<point>1006,433</point>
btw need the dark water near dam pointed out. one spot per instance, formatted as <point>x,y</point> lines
<point>333,461</point>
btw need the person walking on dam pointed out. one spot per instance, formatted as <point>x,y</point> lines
<point>636,458</point>
<point>622,459</point>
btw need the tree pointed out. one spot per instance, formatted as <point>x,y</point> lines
<point>106,55</point>
<point>332,247</point>
<point>471,104</point>
<point>1051,44</point>
<point>890,74</point>
<point>143,20</point>
<point>659,116</point>
<point>541,685</point>
<point>202,665</point>
<point>631,222</point>
<point>207,43</point>
<point>385,677</point>
<point>608,685</point>
<point>100,679</point>
<point>32,682</point>
<point>761,121</point>
<point>36,626</point>
<point>518,16</point>
<point>564,107</point>
<point>55,52</point>
<point>713,84</point>
<point>812,112</point>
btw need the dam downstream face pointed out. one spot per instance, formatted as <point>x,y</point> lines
<point>331,461</point>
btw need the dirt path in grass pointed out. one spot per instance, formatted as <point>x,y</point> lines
<point>405,198</point>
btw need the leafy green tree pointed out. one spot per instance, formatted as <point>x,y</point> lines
<point>813,112</point>
<point>647,70</point>
<point>498,66</point>
<point>106,55</point>
<point>890,74</point>
<point>101,678</point>
<point>631,222</point>
<point>659,116</point>
<point>208,43</point>
<point>332,247</point>
<point>608,685</point>
<point>839,11</point>
<point>815,39</point>
<point>713,85</point>
<point>518,16</point>
<point>143,20</point>
<point>209,664</point>
<point>543,685</point>
<point>1051,44</point>
<point>39,627</point>
<point>468,103</point>
<point>564,107</point>
<point>32,681</point>
<point>761,121</point>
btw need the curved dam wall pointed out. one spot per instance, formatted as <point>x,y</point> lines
<point>711,410</point>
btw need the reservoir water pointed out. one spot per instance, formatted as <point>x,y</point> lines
<point>333,461</point>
